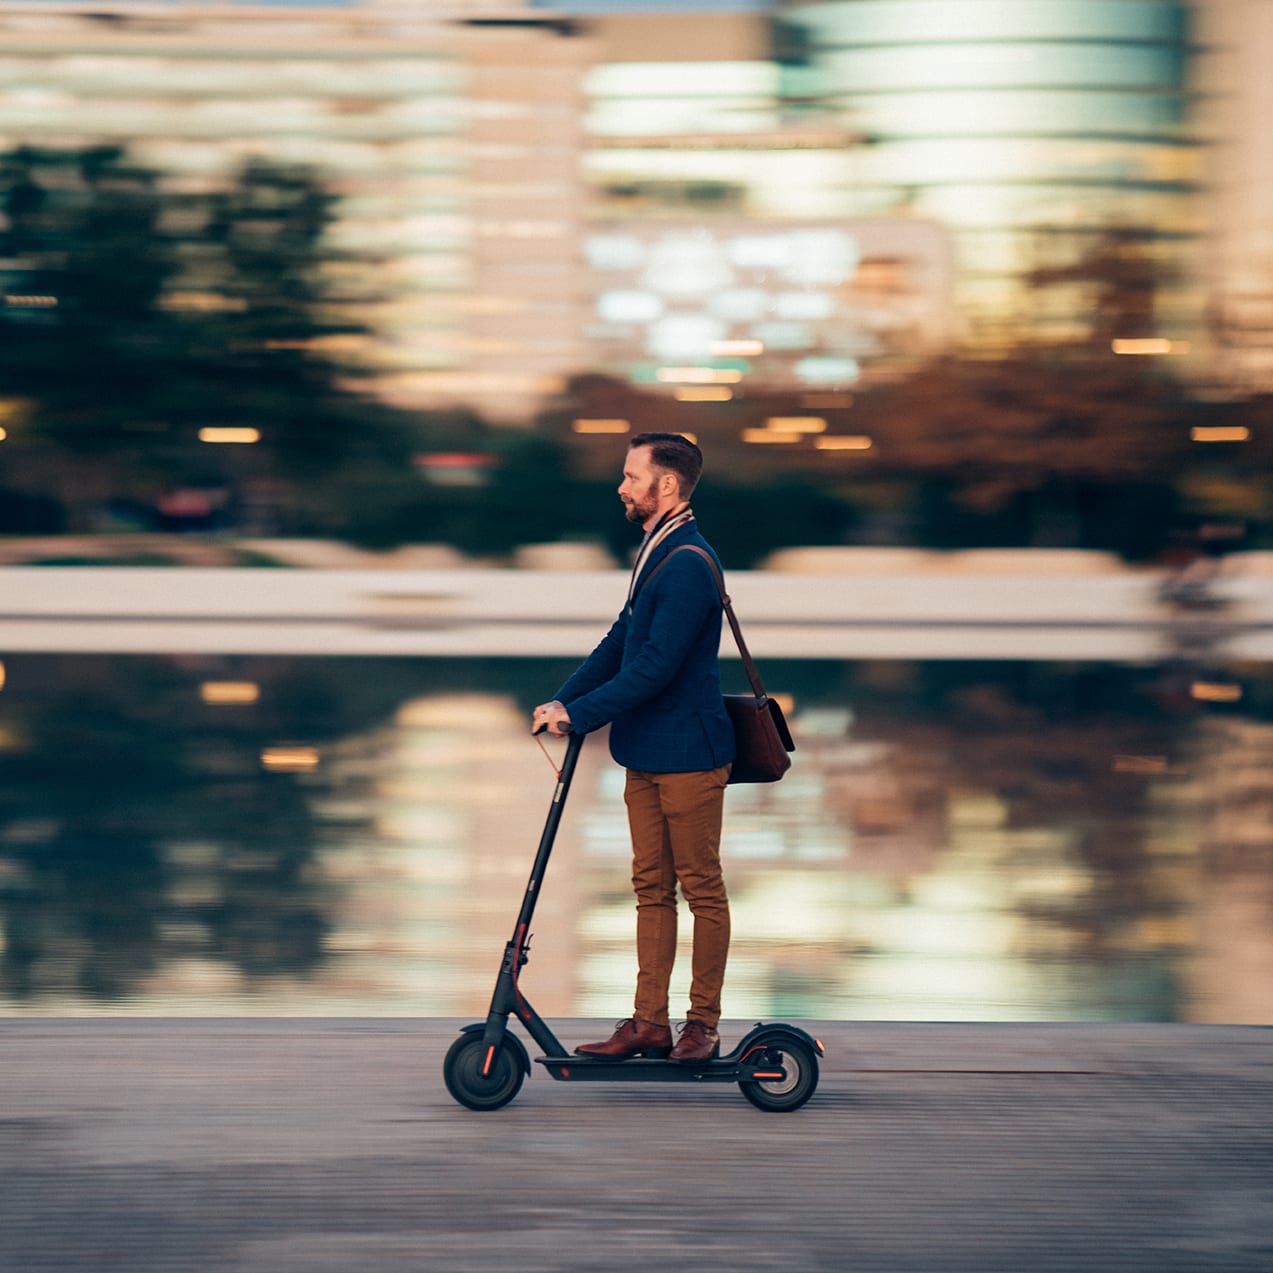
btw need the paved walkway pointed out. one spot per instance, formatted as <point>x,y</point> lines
<point>331,1146</point>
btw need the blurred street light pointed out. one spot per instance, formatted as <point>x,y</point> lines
<point>704,393</point>
<point>601,426</point>
<point>221,693</point>
<point>1220,433</point>
<point>1149,347</point>
<point>229,434</point>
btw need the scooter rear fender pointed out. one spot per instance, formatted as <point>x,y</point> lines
<point>776,1033</point>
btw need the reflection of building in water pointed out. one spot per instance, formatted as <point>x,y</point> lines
<point>994,843</point>
<point>885,877</point>
<point>459,796</point>
<point>1229,976</point>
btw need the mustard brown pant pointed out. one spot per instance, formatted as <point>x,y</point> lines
<point>675,822</point>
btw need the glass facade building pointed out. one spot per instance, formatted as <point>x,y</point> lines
<point>721,242</point>
<point>1034,129</point>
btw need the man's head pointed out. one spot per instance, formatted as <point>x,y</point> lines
<point>661,472</point>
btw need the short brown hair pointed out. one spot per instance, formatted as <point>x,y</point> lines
<point>675,453</point>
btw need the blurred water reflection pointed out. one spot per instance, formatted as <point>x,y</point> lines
<point>988,841</point>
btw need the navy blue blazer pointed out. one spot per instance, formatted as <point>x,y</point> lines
<point>655,676</point>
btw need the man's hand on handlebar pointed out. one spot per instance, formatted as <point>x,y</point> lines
<point>552,717</point>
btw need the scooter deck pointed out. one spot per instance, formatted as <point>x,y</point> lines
<point>725,1069</point>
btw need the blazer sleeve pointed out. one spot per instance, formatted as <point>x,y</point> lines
<point>604,661</point>
<point>680,601</point>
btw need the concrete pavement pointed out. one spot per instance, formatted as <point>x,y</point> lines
<point>259,1146</point>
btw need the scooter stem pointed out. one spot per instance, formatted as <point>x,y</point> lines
<point>507,998</point>
<point>540,865</point>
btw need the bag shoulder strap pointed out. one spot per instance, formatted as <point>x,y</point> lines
<point>749,664</point>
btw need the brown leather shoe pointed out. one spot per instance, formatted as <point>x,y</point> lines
<point>698,1042</point>
<point>632,1037</point>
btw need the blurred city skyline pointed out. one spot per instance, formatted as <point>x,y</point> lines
<point>955,274</point>
<point>705,196</point>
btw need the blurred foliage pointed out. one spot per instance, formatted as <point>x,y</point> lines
<point>136,314</point>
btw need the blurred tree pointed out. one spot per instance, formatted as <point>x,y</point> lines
<point>1051,443</point>
<point>1111,277</point>
<point>82,335</point>
<point>134,316</point>
<point>261,349</point>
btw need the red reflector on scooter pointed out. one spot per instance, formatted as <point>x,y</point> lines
<point>768,1074</point>
<point>490,1056</point>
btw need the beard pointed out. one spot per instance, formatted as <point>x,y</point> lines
<point>643,507</point>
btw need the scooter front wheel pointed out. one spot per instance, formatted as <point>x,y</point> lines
<point>800,1065</point>
<point>475,1083</point>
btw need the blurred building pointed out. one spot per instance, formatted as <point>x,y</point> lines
<point>1034,130</point>
<point>788,194</point>
<point>724,242</point>
<point>452,139</point>
<point>1233,51</point>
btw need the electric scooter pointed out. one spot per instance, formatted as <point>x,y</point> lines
<point>775,1066</point>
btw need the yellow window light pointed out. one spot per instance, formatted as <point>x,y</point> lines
<point>737,348</point>
<point>231,434</point>
<point>704,393</point>
<point>1220,433</point>
<point>699,375</point>
<point>1215,692</point>
<point>843,442</point>
<point>1149,347</point>
<point>769,436</point>
<point>289,759</point>
<point>31,302</point>
<point>219,693</point>
<point>601,426</point>
<point>1,675</point>
<point>3,433</point>
<point>797,423</point>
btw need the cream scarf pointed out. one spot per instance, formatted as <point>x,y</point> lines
<point>672,520</point>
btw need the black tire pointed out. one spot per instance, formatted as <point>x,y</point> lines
<point>780,1096</point>
<point>462,1071</point>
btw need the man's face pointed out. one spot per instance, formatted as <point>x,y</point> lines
<point>639,489</point>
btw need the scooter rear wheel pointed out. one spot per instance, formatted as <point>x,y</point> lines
<point>778,1096</point>
<point>463,1067</point>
